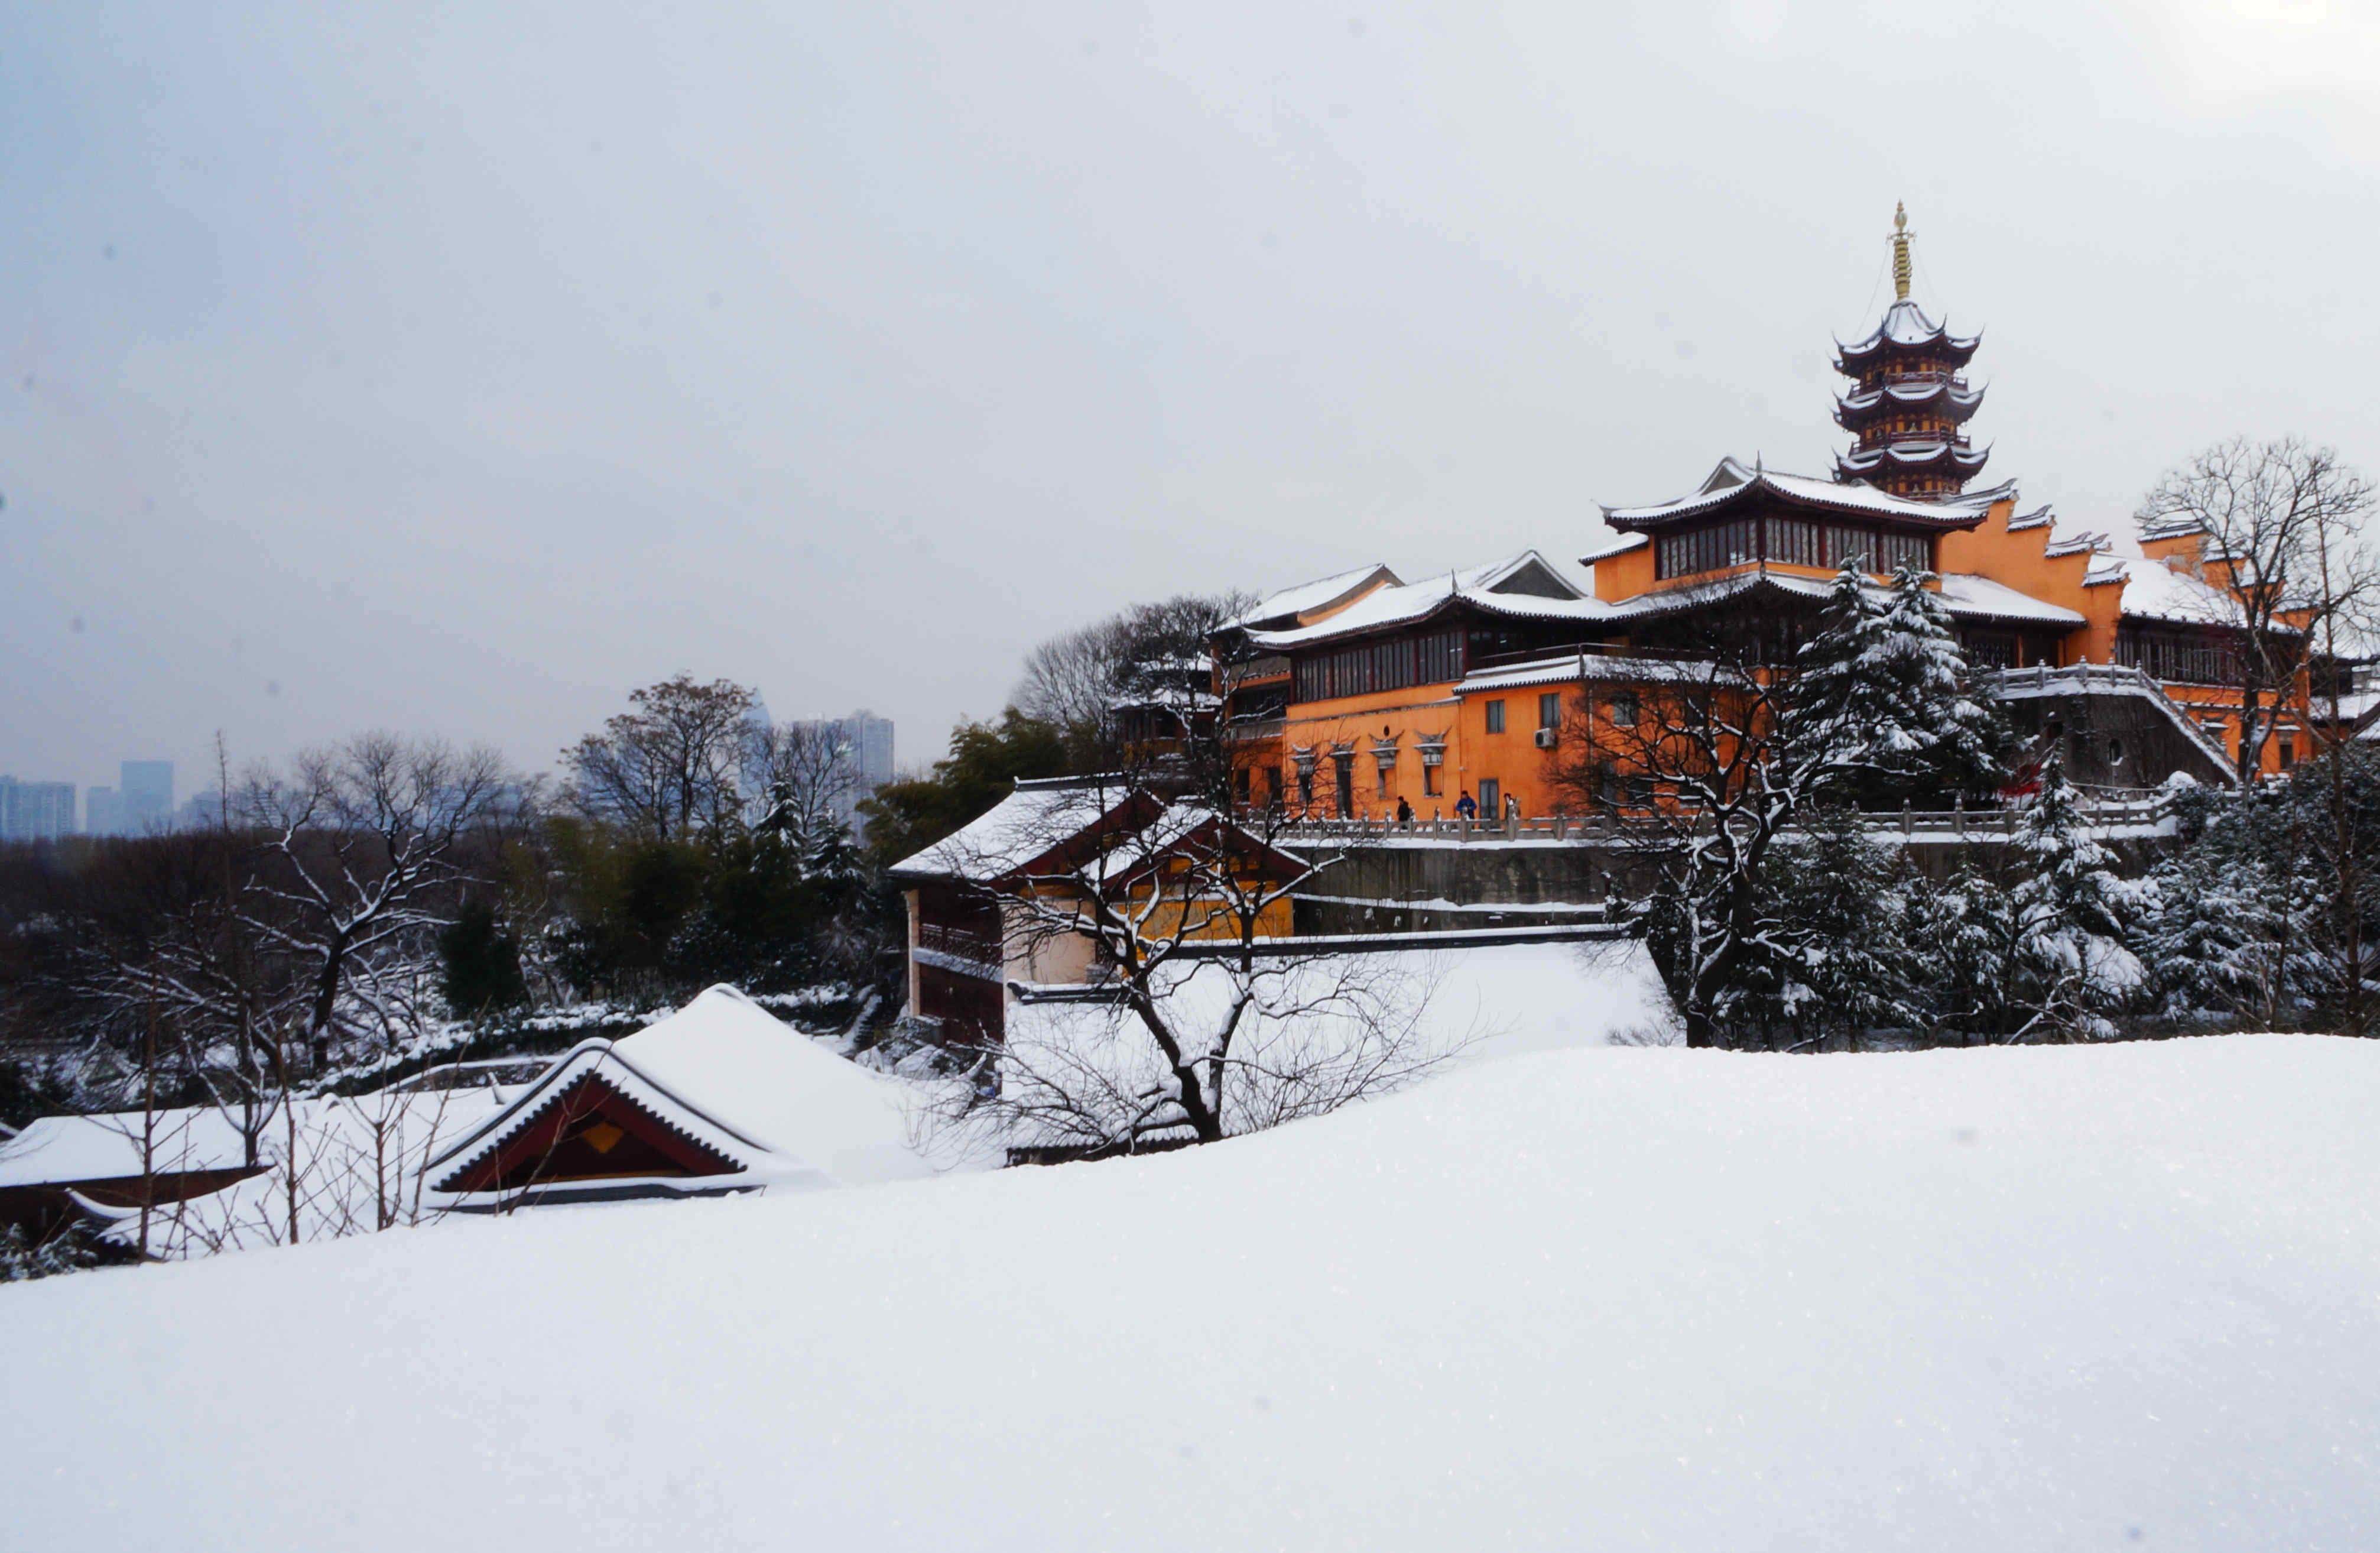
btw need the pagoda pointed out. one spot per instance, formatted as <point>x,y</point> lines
<point>1907,402</point>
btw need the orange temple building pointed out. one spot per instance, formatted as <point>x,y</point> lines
<point>1346,696</point>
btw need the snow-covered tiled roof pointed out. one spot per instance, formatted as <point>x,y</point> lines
<point>1034,817</point>
<point>1915,453</point>
<point>733,1076</point>
<point>1981,598</point>
<point>2076,545</point>
<point>1964,594</point>
<point>1618,544</point>
<point>1590,666</point>
<point>2154,591</point>
<point>1958,393</point>
<point>1904,322</point>
<point>1320,593</point>
<point>1732,481</point>
<point>2039,518</point>
<point>1485,587</point>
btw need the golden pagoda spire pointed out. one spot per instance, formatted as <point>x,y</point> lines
<point>1900,252</point>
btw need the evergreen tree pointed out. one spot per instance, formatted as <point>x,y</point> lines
<point>480,961</point>
<point>1958,734</point>
<point>1828,958</point>
<point>2073,917</point>
<point>1884,692</point>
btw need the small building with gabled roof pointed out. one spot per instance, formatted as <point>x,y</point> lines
<point>719,1097</point>
<point>982,902</point>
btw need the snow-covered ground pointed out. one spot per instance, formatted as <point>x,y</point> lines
<point>2109,1297</point>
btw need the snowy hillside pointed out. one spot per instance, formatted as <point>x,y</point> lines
<point>1989,1300</point>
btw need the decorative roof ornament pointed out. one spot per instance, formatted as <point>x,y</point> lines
<point>1900,252</point>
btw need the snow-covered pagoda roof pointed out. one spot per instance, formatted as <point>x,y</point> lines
<point>1280,610</point>
<point>1914,394</point>
<point>1904,329</point>
<point>1732,482</point>
<point>1526,586</point>
<point>1915,453</point>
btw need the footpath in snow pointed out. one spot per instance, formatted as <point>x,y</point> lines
<point>2113,1297</point>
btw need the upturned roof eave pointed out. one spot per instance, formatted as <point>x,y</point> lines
<point>1643,518</point>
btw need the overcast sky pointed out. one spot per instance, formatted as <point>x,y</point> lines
<point>457,372</point>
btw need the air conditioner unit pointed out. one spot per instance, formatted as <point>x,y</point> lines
<point>1548,738</point>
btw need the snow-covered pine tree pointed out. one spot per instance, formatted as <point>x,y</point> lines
<point>1837,708</point>
<point>2072,966</point>
<point>1961,942</point>
<point>1962,734</point>
<point>1883,692</point>
<point>1828,958</point>
<point>2208,939</point>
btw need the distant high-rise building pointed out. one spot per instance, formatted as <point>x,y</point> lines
<point>103,812</point>
<point>203,810</point>
<point>36,811</point>
<point>870,740</point>
<point>146,793</point>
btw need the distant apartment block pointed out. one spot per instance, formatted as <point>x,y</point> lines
<point>145,789</point>
<point>870,739</point>
<point>36,811</point>
<point>103,812</point>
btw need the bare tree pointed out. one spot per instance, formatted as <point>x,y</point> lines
<point>1691,773</point>
<point>669,768</point>
<point>2280,531</point>
<point>356,844</point>
<point>1135,684</point>
<point>808,772</point>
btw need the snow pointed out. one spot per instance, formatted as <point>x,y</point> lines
<point>1958,511</point>
<point>1323,590</point>
<point>2155,591</point>
<point>1477,1002</point>
<point>2099,1296</point>
<point>1963,594</point>
<point>746,1066</point>
<point>820,1118</point>
<point>1967,594</point>
<point>1033,818</point>
<point>1904,322</point>
<point>1415,600</point>
<point>1618,544</point>
<point>1584,666</point>
<point>84,1148</point>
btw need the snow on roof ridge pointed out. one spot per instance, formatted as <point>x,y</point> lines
<point>1964,508</point>
<point>1298,597</point>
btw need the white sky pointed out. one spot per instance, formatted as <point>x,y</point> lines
<point>457,372</point>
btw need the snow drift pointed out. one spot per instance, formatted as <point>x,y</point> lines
<point>2091,1297</point>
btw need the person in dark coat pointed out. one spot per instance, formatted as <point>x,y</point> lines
<point>1466,807</point>
<point>1405,814</point>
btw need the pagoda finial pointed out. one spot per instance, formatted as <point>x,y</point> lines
<point>1900,252</point>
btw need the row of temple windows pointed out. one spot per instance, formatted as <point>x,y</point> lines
<point>1794,541</point>
<point>1393,665</point>
<point>2177,656</point>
